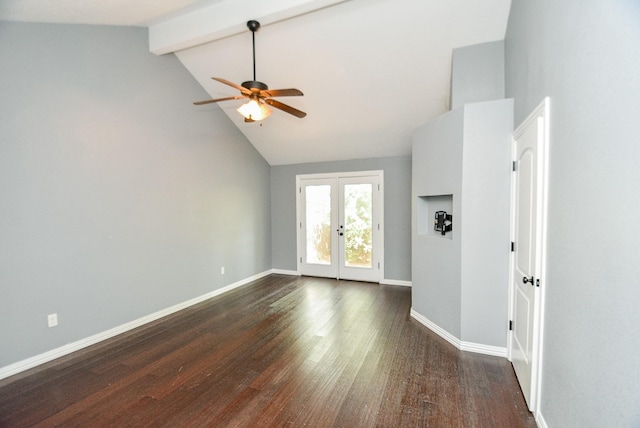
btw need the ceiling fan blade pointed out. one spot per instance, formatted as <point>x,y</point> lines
<point>286,108</point>
<point>233,85</point>
<point>281,93</point>
<point>237,97</point>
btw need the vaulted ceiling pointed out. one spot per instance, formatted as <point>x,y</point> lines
<point>371,70</point>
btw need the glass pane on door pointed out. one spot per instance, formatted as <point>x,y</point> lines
<point>318,221</point>
<point>358,225</point>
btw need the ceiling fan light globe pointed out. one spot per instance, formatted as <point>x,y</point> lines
<point>254,110</point>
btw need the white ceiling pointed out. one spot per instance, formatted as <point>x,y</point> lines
<point>371,70</point>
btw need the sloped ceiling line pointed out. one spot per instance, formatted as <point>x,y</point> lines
<point>224,19</point>
<point>371,71</point>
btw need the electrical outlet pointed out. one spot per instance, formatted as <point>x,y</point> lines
<point>222,270</point>
<point>52,320</point>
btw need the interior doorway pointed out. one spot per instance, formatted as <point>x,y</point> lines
<point>528,231</point>
<point>340,225</point>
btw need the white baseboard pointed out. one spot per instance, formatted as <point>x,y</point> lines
<point>395,282</point>
<point>496,351</point>
<point>479,348</point>
<point>540,421</point>
<point>51,355</point>
<point>436,329</point>
<point>382,281</point>
<point>285,272</point>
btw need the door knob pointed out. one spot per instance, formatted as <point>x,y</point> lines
<point>525,279</point>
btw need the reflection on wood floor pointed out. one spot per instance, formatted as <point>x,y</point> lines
<point>281,351</point>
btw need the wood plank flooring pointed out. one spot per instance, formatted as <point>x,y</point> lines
<point>281,351</point>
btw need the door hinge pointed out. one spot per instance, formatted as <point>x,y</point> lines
<point>300,225</point>
<point>378,187</point>
<point>378,265</point>
<point>538,282</point>
<point>513,166</point>
<point>513,246</point>
<point>300,259</point>
<point>510,325</point>
<point>300,190</point>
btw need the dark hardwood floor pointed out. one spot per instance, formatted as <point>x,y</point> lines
<point>281,351</point>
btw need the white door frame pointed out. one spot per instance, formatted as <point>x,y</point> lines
<point>300,238</point>
<point>541,112</point>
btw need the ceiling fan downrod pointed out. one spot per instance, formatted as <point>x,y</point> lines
<point>254,84</point>
<point>253,26</point>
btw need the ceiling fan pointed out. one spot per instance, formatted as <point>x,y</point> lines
<point>257,92</point>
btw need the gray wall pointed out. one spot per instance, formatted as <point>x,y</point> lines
<point>119,198</point>
<point>586,57</point>
<point>397,210</point>
<point>460,281</point>
<point>437,170</point>
<point>477,73</point>
<point>486,191</point>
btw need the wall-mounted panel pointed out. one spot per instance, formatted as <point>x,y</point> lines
<point>434,216</point>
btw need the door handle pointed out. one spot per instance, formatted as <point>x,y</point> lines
<point>525,279</point>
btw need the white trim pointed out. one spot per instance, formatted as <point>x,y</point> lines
<point>396,282</point>
<point>478,348</point>
<point>546,103</point>
<point>285,272</point>
<point>436,329</point>
<point>540,420</point>
<point>51,355</point>
<point>367,173</point>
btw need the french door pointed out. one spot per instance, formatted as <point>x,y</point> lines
<point>340,225</point>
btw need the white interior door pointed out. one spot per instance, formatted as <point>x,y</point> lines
<point>340,226</point>
<point>524,263</point>
<point>528,183</point>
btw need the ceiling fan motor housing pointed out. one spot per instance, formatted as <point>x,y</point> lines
<point>254,85</point>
